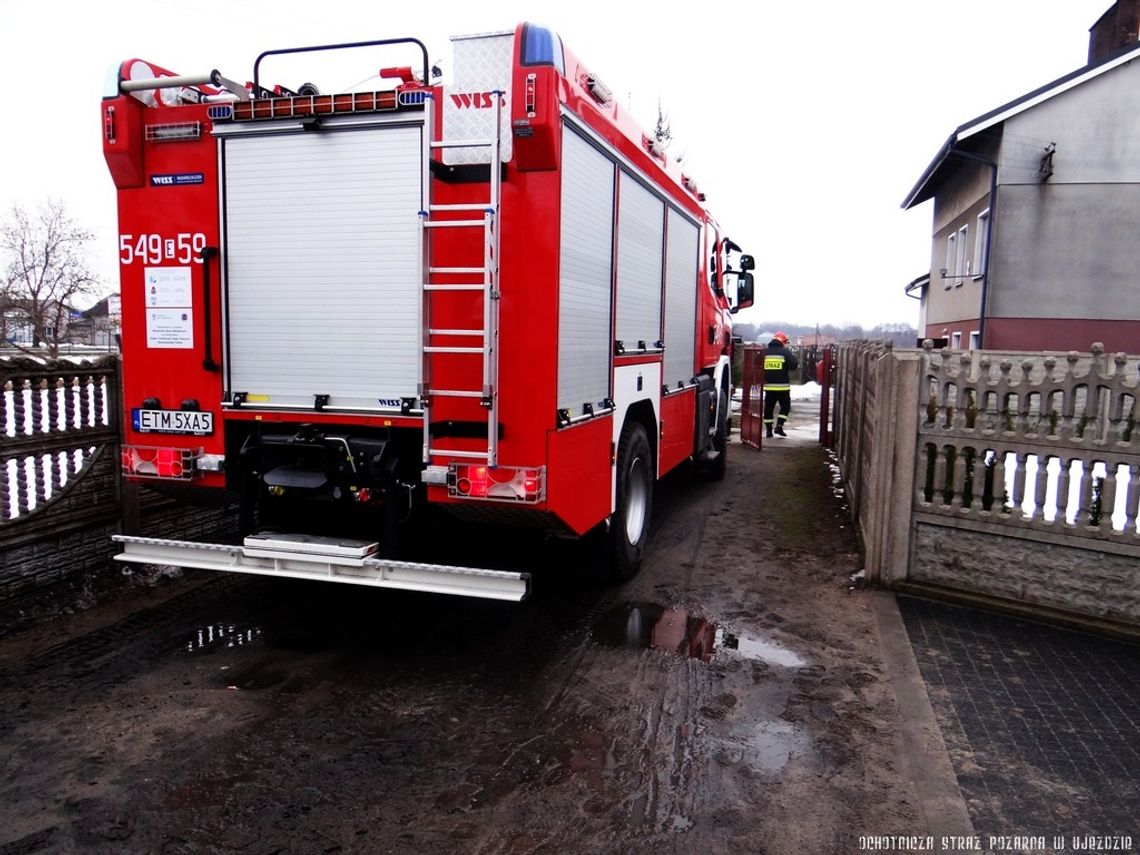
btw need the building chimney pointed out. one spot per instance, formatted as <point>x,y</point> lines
<point>1115,28</point>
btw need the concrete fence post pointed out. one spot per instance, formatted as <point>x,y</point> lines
<point>899,448</point>
<point>877,446</point>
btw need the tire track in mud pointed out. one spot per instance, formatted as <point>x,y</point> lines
<point>667,762</point>
<point>666,800</point>
<point>572,740</point>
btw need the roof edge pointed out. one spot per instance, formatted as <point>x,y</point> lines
<point>917,193</point>
<point>1009,109</point>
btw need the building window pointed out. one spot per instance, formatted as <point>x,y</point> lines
<point>956,341</point>
<point>963,266</point>
<point>974,340</point>
<point>982,244</point>
<point>957,261</point>
<point>951,258</point>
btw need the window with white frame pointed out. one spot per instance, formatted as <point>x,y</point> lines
<point>956,341</point>
<point>975,339</point>
<point>982,244</point>
<point>951,258</point>
<point>963,267</point>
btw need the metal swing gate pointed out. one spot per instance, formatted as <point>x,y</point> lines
<point>752,405</point>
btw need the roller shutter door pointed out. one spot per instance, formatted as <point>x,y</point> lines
<point>323,266</point>
<point>682,259</point>
<point>641,236</point>
<point>586,273</point>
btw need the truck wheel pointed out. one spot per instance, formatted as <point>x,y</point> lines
<point>717,468</point>
<point>629,527</point>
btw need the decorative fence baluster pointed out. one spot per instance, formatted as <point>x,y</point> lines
<point>1063,491</point>
<point>1001,495</point>
<point>976,472</point>
<point>38,392</point>
<point>70,401</point>
<point>1108,497</point>
<point>958,484</point>
<point>1086,511</point>
<point>19,407</point>
<point>1021,463</point>
<point>1041,489</point>
<point>1132,503</point>
<point>5,406</point>
<point>54,402</point>
<point>84,401</point>
<point>22,495</point>
<point>6,510</point>
<point>98,391</point>
<point>59,469</point>
<point>939,497</point>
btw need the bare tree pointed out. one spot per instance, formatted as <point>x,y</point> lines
<point>44,258</point>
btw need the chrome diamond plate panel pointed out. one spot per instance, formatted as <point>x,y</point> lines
<point>482,65</point>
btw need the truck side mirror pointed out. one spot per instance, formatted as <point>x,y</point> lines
<point>745,288</point>
<point>747,262</point>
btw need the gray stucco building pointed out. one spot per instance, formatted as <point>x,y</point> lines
<point>1036,207</point>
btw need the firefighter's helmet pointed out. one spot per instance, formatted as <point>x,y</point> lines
<point>781,337</point>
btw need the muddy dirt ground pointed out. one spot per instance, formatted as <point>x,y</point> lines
<point>732,698</point>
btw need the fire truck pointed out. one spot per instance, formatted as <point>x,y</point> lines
<point>496,298</point>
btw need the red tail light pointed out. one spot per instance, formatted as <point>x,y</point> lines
<point>503,483</point>
<point>472,482</point>
<point>143,461</point>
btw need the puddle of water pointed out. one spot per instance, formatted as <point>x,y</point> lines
<point>754,648</point>
<point>649,626</point>
<point>215,636</point>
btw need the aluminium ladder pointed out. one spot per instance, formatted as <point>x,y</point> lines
<point>484,279</point>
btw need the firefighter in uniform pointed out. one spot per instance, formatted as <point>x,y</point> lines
<point>779,362</point>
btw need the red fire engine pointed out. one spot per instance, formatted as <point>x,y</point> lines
<point>497,296</point>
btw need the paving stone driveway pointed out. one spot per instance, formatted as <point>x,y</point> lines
<point>1042,724</point>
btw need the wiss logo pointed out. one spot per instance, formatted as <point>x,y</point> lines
<point>475,100</point>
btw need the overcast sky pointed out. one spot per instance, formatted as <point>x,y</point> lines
<point>806,123</point>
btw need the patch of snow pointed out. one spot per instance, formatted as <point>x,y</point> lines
<point>807,392</point>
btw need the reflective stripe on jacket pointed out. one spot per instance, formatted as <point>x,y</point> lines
<point>779,362</point>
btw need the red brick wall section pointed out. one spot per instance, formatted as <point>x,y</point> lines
<point>1062,334</point>
<point>1041,334</point>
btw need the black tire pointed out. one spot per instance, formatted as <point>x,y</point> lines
<point>629,527</point>
<point>717,468</point>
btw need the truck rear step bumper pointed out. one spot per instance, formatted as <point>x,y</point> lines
<point>326,559</point>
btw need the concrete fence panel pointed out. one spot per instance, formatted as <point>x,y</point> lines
<point>1012,476</point>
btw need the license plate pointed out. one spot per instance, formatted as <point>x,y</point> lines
<point>172,421</point>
